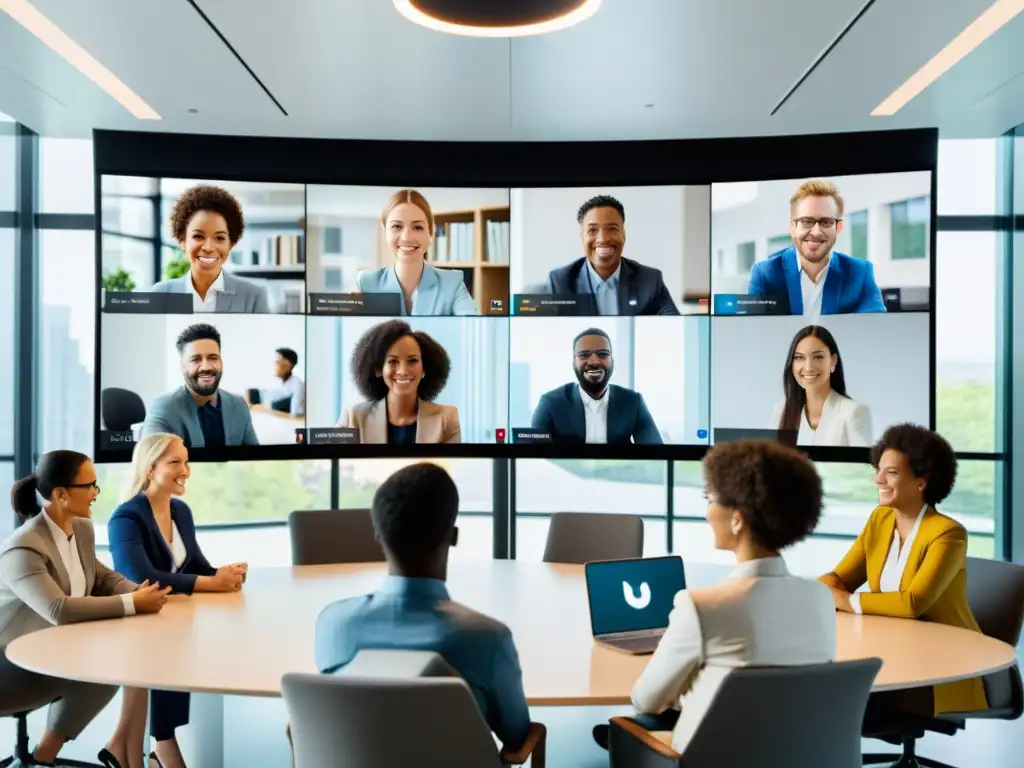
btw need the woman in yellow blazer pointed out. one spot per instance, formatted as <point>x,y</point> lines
<point>912,558</point>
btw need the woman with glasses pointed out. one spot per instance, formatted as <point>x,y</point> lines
<point>49,575</point>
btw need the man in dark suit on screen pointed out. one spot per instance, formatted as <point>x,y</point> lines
<point>593,410</point>
<point>619,286</point>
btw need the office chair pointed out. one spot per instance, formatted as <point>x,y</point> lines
<point>121,408</point>
<point>771,717</point>
<point>581,537</point>
<point>995,593</point>
<point>22,756</point>
<point>328,536</point>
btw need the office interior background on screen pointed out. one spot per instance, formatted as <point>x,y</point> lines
<point>886,221</point>
<point>885,361</point>
<point>666,228</point>
<point>478,384</point>
<point>139,354</point>
<point>662,358</point>
<point>137,234</point>
<point>471,235</point>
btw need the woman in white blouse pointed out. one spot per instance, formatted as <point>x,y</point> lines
<point>816,407</point>
<point>152,536</point>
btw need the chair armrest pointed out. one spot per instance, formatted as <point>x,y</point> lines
<point>534,746</point>
<point>630,744</point>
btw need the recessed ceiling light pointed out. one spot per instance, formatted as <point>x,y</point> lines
<point>193,111</point>
<point>35,22</point>
<point>997,16</point>
<point>497,18</point>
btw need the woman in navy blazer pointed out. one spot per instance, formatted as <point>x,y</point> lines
<point>152,536</point>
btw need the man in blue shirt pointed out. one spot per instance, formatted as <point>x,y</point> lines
<point>414,515</point>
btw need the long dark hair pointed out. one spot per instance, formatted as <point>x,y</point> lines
<point>56,469</point>
<point>796,397</point>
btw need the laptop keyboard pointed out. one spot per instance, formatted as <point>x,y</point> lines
<point>636,644</point>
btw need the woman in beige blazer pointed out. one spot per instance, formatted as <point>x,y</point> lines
<point>49,575</point>
<point>400,372</point>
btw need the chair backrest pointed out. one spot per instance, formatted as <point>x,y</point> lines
<point>787,716</point>
<point>364,722</point>
<point>397,664</point>
<point>121,408</point>
<point>580,537</point>
<point>326,536</point>
<point>995,592</point>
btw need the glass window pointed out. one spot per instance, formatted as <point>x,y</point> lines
<point>66,183</point>
<point>778,243</point>
<point>909,228</point>
<point>6,481</point>
<point>967,177</point>
<point>7,331</point>
<point>966,320</point>
<point>857,225</point>
<point>8,149</point>
<point>746,254</point>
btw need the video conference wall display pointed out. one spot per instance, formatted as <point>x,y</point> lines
<point>522,310</point>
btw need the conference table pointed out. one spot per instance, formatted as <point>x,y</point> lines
<point>240,644</point>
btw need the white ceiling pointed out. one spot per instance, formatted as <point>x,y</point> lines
<point>356,69</point>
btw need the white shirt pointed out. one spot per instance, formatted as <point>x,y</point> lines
<point>293,388</point>
<point>67,548</point>
<point>812,291</point>
<point>596,413</point>
<point>895,562</point>
<point>210,303</point>
<point>178,551</point>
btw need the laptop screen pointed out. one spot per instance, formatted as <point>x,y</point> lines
<point>630,595</point>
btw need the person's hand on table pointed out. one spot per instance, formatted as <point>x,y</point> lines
<point>229,578</point>
<point>149,598</point>
<point>841,598</point>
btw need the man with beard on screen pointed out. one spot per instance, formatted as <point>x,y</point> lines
<point>199,412</point>
<point>593,410</point>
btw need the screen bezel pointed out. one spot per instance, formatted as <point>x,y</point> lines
<point>511,165</point>
<point>586,581</point>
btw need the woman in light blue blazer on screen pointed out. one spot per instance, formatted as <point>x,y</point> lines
<point>408,229</point>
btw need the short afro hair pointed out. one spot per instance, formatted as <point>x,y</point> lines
<point>591,332</point>
<point>414,510</point>
<point>197,332</point>
<point>371,352</point>
<point>600,201</point>
<point>206,197</point>
<point>776,488</point>
<point>928,453</point>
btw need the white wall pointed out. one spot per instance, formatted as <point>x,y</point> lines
<point>885,361</point>
<point>666,228</point>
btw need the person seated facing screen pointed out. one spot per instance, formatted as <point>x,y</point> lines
<point>816,408</point>
<point>207,222</point>
<point>913,559</point>
<point>288,393</point>
<point>49,575</point>
<point>593,410</point>
<point>199,412</point>
<point>400,372</point>
<point>620,286</point>
<point>425,290</point>
<point>414,513</point>
<point>153,538</point>
<point>815,279</point>
<point>762,498</point>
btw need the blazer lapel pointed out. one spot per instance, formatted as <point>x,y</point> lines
<point>375,425</point>
<point>86,553</point>
<point>791,273</point>
<point>428,423</point>
<point>578,415</point>
<point>615,426</point>
<point>921,540</point>
<point>878,554</point>
<point>833,287</point>
<point>194,431</point>
<point>226,298</point>
<point>627,289</point>
<point>426,292</point>
<point>42,531</point>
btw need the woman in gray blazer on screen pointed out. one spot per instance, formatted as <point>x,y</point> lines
<point>49,575</point>
<point>207,222</point>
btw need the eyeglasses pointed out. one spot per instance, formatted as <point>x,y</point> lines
<point>93,484</point>
<point>808,223</point>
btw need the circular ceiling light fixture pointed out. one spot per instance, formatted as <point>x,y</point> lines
<point>497,18</point>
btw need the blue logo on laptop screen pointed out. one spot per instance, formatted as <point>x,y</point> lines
<point>630,595</point>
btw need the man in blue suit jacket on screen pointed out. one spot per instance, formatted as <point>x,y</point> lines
<point>593,410</point>
<point>815,279</point>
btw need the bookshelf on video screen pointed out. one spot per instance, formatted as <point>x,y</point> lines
<point>821,307</point>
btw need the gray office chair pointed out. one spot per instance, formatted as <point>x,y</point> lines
<point>581,537</point>
<point>995,592</point>
<point>22,756</point>
<point>776,717</point>
<point>390,708</point>
<point>327,536</point>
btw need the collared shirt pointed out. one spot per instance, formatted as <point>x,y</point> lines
<point>895,562</point>
<point>606,292</point>
<point>291,388</point>
<point>210,303</point>
<point>812,291</point>
<point>407,306</point>
<point>67,548</point>
<point>596,414</point>
<point>418,614</point>
<point>211,420</point>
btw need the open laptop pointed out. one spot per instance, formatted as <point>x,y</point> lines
<point>630,600</point>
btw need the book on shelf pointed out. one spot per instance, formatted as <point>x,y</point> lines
<point>497,242</point>
<point>454,242</point>
<point>274,251</point>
